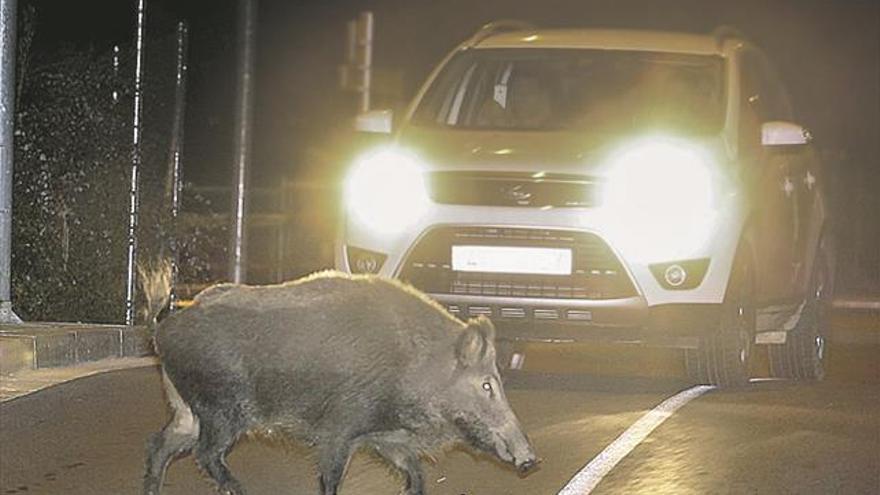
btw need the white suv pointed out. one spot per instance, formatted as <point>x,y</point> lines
<point>631,186</point>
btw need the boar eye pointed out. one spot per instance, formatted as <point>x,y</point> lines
<point>487,387</point>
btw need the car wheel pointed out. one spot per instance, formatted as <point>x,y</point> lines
<point>802,356</point>
<point>722,358</point>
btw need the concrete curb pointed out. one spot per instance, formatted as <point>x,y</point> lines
<point>31,346</point>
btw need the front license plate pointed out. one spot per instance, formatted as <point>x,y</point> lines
<point>506,259</point>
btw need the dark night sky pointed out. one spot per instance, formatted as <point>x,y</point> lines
<point>828,53</point>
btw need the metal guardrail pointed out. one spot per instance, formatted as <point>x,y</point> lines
<point>289,225</point>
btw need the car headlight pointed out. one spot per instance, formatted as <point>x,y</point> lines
<point>660,199</point>
<point>385,191</point>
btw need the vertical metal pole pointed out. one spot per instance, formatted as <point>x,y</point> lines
<point>351,45</point>
<point>284,209</point>
<point>348,71</point>
<point>134,183</point>
<point>7,119</point>
<point>243,120</point>
<point>176,151</point>
<point>367,68</point>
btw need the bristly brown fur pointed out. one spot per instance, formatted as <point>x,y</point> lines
<point>155,281</point>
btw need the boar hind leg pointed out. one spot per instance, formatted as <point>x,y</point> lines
<point>216,439</point>
<point>177,438</point>
<point>406,462</point>
<point>161,449</point>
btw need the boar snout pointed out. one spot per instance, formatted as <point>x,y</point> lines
<point>526,461</point>
<point>519,450</point>
<point>526,467</point>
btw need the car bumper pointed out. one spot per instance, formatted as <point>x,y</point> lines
<point>648,313</point>
<point>626,320</point>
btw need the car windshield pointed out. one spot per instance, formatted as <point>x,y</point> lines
<point>595,90</point>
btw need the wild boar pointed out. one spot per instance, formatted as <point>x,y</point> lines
<point>336,361</point>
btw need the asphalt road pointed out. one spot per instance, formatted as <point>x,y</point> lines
<point>87,437</point>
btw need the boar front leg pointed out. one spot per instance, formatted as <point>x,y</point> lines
<point>406,461</point>
<point>332,463</point>
<point>216,439</point>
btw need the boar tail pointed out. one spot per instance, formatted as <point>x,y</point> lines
<point>155,279</point>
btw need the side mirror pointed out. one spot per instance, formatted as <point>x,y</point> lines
<point>781,133</point>
<point>375,121</point>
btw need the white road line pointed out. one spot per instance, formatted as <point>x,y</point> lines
<point>590,475</point>
<point>863,304</point>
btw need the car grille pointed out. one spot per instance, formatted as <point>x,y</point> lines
<point>512,189</point>
<point>596,271</point>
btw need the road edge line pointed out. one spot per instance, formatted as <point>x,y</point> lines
<point>585,480</point>
<point>31,382</point>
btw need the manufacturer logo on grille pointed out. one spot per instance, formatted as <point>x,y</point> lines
<point>517,193</point>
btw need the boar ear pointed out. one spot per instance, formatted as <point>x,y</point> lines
<point>475,341</point>
<point>484,326</point>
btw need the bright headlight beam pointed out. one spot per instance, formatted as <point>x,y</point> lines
<point>659,196</point>
<point>385,191</point>
<point>660,175</point>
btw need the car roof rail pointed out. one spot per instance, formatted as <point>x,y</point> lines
<point>499,26</point>
<point>724,33</point>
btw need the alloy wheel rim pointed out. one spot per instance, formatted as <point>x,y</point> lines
<point>744,346</point>
<point>743,320</point>
<point>819,300</point>
<point>819,345</point>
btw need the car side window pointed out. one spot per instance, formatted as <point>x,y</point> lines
<point>762,99</point>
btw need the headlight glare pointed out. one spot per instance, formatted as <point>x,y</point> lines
<point>385,191</point>
<point>660,198</point>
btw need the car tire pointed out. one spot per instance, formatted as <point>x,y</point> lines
<point>722,357</point>
<point>803,355</point>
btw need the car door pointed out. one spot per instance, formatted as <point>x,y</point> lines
<point>802,165</point>
<point>810,212</point>
<point>772,186</point>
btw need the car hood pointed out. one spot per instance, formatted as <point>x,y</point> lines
<point>519,151</point>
